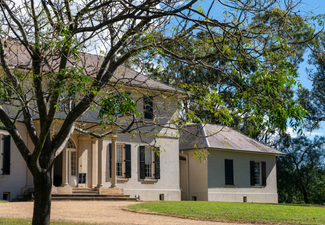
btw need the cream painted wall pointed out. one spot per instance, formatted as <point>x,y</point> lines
<point>217,191</point>
<point>168,184</point>
<point>14,182</point>
<point>198,178</point>
<point>183,179</point>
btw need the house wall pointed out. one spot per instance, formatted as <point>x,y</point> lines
<point>218,191</point>
<point>198,178</point>
<point>183,179</point>
<point>168,184</point>
<point>16,180</point>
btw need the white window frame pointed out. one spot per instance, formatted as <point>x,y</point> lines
<point>152,167</point>
<point>123,160</point>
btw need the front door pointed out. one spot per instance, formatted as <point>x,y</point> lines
<point>72,167</point>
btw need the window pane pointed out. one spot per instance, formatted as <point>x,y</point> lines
<point>73,163</point>
<point>148,156</point>
<point>257,173</point>
<point>119,153</point>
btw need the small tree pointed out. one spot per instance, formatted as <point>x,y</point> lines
<point>43,47</point>
<point>301,171</point>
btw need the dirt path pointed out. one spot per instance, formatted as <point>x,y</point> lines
<point>96,212</point>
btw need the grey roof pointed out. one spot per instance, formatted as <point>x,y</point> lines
<point>220,137</point>
<point>17,56</point>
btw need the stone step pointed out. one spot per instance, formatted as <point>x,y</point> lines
<point>89,195</point>
<point>83,189</point>
<point>84,192</point>
<point>92,198</point>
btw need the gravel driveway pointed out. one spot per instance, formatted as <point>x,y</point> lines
<point>96,212</point>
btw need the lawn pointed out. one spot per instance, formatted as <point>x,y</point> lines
<point>238,212</point>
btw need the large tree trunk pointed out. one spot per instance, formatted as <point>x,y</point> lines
<point>42,201</point>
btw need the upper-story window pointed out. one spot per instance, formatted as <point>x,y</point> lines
<point>148,107</point>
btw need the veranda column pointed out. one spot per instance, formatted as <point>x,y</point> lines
<point>65,170</point>
<point>93,162</point>
<point>100,163</point>
<point>113,166</point>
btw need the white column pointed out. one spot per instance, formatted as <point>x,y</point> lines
<point>65,169</point>
<point>93,163</point>
<point>113,166</point>
<point>100,163</point>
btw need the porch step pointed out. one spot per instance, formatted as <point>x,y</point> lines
<point>85,191</point>
<point>91,197</point>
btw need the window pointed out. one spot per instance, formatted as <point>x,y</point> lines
<point>119,160</point>
<point>5,154</point>
<point>229,172</point>
<point>123,160</point>
<point>258,173</point>
<point>73,163</point>
<point>148,107</point>
<point>149,163</point>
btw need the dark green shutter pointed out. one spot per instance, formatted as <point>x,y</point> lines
<point>127,161</point>
<point>6,155</point>
<point>252,163</point>
<point>157,164</point>
<point>229,172</point>
<point>110,159</point>
<point>142,162</point>
<point>263,174</point>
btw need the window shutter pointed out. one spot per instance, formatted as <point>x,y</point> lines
<point>252,173</point>
<point>110,159</point>
<point>142,162</point>
<point>157,164</point>
<point>6,155</point>
<point>229,172</point>
<point>127,161</point>
<point>263,173</point>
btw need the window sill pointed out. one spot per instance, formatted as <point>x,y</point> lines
<point>150,180</point>
<point>122,179</point>
<point>229,185</point>
<point>258,186</point>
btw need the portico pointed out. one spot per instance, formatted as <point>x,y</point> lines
<point>83,165</point>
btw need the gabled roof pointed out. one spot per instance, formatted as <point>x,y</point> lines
<point>220,137</point>
<point>19,57</point>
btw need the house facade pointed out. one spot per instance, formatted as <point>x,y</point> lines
<point>143,163</point>
<point>234,167</point>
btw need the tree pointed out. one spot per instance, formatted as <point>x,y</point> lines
<point>237,98</point>
<point>53,37</point>
<point>301,171</point>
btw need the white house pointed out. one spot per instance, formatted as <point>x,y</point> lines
<point>236,168</point>
<point>122,163</point>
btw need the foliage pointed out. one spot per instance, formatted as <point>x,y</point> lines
<point>249,92</point>
<point>301,172</point>
<point>238,212</point>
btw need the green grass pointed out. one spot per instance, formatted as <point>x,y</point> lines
<point>1,201</point>
<point>238,212</point>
